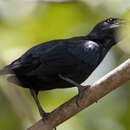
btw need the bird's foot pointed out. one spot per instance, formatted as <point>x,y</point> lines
<point>80,92</point>
<point>44,115</point>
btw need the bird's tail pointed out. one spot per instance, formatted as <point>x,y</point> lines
<point>6,70</point>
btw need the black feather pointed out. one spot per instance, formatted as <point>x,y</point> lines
<point>75,58</point>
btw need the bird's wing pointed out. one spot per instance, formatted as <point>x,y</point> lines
<point>25,64</point>
<point>30,60</point>
<point>47,59</point>
<point>58,60</point>
<point>67,57</point>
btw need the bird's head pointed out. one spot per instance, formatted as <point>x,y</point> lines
<point>105,31</point>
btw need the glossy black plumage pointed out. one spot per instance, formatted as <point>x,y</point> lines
<point>40,66</point>
<point>75,58</point>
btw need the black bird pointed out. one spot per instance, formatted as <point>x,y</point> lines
<point>63,63</point>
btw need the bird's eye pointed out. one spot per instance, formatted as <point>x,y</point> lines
<point>110,20</point>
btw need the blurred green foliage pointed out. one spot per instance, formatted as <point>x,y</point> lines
<point>25,24</point>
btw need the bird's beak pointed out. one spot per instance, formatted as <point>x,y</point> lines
<point>122,21</point>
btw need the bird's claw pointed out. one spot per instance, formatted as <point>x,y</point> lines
<point>80,91</point>
<point>44,115</point>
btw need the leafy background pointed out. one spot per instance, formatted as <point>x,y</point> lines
<point>28,23</point>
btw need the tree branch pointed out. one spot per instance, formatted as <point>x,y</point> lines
<point>99,89</point>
